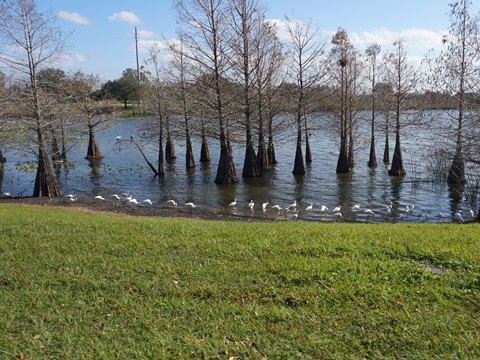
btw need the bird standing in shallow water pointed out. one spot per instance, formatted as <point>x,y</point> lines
<point>173,202</point>
<point>99,197</point>
<point>251,204</point>
<point>233,203</point>
<point>147,201</point>
<point>309,207</point>
<point>458,217</point>
<point>264,206</point>
<point>337,209</point>
<point>190,204</point>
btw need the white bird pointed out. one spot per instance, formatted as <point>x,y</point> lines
<point>309,207</point>
<point>264,206</point>
<point>173,202</point>
<point>355,208</point>
<point>72,199</point>
<point>131,137</point>
<point>70,196</point>
<point>472,213</point>
<point>115,196</point>
<point>190,204</point>
<point>118,138</point>
<point>323,208</point>
<point>369,212</point>
<point>233,203</point>
<point>133,201</point>
<point>276,207</point>
<point>458,217</point>
<point>251,204</point>
<point>147,201</point>
<point>293,205</point>
<point>7,194</point>
<point>337,209</point>
<point>99,197</point>
<point>409,208</point>
<point>338,215</point>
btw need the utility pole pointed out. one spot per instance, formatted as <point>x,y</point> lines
<point>136,52</point>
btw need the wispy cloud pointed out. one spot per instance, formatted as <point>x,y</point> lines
<point>73,17</point>
<point>125,16</point>
<point>145,34</point>
<point>415,39</point>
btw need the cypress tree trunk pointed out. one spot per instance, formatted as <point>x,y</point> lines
<point>205,149</point>
<point>63,154</point>
<point>308,152</point>
<point>386,152</point>
<point>342,162</point>
<point>160,163</point>
<point>271,147</point>
<point>397,168</point>
<point>189,158</point>
<point>351,155</point>
<point>93,151</point>
<point>226,166</point>
<point>372,161</point>
<point>56,156</point>
<point>262,154</point>
<point>299,166</point>
<point>45,184</point>
<point>169,147</point>
<point>456,173</point>
<point>2,159</point>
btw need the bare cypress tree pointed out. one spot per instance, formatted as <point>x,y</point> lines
<point>372,52</point>
<point>206,42</point>
<point>246,20</point>
<point>268,63</point>
<point>304,52</point>
<point>156,100</point>
<point>403,79</point>
<point>31,40</point>
<point>179,63</point>
<point>340,57</point>
<point>96,113</point>
<point>456,70</point>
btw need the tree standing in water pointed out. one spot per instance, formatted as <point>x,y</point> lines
<point>456,71</point>
<point>304,54</point>
<point>246,20</point>
<point>32,41</point>
<point>403,79</point>
<point>372,53</point>
<point>341,58</point>
<point>206,42</point>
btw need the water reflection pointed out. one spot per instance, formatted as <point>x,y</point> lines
<point>124,170</point>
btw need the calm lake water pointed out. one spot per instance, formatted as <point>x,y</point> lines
<point>124,170</point>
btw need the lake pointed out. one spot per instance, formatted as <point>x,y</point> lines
<point>124,170</point>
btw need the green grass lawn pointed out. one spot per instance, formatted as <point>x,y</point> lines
<point>77,285</point>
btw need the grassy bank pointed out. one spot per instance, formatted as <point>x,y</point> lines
<point>88,285</point>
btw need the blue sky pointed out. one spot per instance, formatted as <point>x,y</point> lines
<point>101,32</point>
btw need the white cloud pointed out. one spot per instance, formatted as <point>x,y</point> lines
<point>416,40</point>
<point>73,17</point>
<point>145,34</point>
<point>125,16</point>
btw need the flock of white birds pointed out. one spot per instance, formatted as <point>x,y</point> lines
<point>294,209</point>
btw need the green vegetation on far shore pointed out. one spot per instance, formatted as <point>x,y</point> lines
<point>77,285</point>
